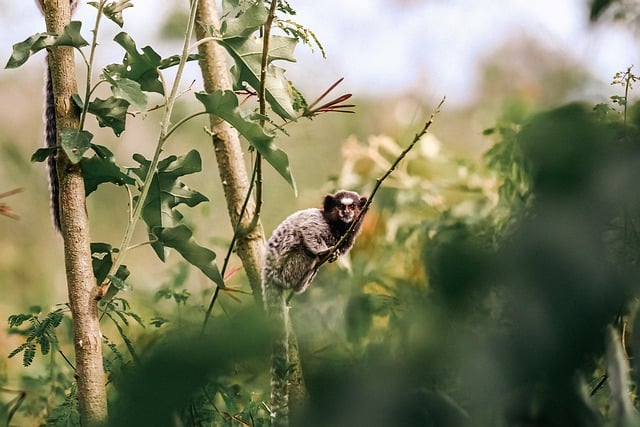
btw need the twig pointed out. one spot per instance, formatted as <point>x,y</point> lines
<point>323,259</point>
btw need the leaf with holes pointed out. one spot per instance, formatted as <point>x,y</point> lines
<point>136,66</point>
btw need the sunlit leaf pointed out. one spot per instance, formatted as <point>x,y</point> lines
<point>240,21</point>
<point>225,105</point>
<point>247,56</point>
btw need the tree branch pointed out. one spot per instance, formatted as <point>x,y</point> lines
<point>379,182</point>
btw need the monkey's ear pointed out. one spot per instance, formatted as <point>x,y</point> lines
<point>329,202</point>
<point>363,200</point>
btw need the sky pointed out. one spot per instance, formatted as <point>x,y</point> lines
<point>430,47</point>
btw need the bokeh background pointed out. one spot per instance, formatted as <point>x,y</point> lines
<point>491,59</point>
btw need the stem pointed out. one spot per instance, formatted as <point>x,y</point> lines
<point>225,264</point>
<point>183,121</point>
<point>164,133</point>
<point>263,105</point>
<point>379,182</point>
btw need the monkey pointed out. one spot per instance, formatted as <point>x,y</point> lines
<point>293,256</point>
<point>50,133</point>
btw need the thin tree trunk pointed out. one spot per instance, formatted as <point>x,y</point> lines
<point>226,143</point>
<point>233,173</point>
<point>90,377</point>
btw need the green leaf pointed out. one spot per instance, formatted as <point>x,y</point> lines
<point>41,154</point>
<point>75,143</point>
<point>136,66</point>
<point>113,10</point>
<point>71,36</point>
<point>167,192</point>
<point>16,320</point>
<point>98,170</point>
<point>241,21</point>
<point>23,50</point>
<point>225,105</point>
<point>119,283</point>
<point>102,261</point>
<point>174,60</point>
<point>110,112</point>
<point>181,239</point>
<point>127,89</point>
<point>247,56</point>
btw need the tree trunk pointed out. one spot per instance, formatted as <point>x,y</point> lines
<point>233,173</point>
<point>90,377</point>
<point>226,143</point>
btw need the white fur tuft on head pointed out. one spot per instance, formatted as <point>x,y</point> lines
<point>347,201</point>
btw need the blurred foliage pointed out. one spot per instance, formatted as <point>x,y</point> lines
<point>493,294</point>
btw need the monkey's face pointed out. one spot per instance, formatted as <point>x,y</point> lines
<point>343,207</point>
<point>347,209</point>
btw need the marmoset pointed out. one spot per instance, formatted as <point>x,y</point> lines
<point>294,254</point>
<point>298,243</point>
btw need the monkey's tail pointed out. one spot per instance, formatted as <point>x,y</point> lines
<point>278,314</point>
<point>50,137</point>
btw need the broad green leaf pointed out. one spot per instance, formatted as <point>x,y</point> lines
<point>240,21</point>
<point>140,67</point>
<point>42,154</point>
<point>75,143</point>
<point>225,105</point>
<point>110,112</point>
<point>127,89</point>
<point>71,36</point>
<point>247,56</point>
<point>181,239</point>
<point>97,170</point>
<point>167,192</point>
<point>174,60</point>
<point>23,50</point>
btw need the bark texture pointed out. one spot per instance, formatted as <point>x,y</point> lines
<point>235,181</point>
<point>226,143</point>
<point>81,283</point>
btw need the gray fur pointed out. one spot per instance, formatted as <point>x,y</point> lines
<point>291,262</point>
